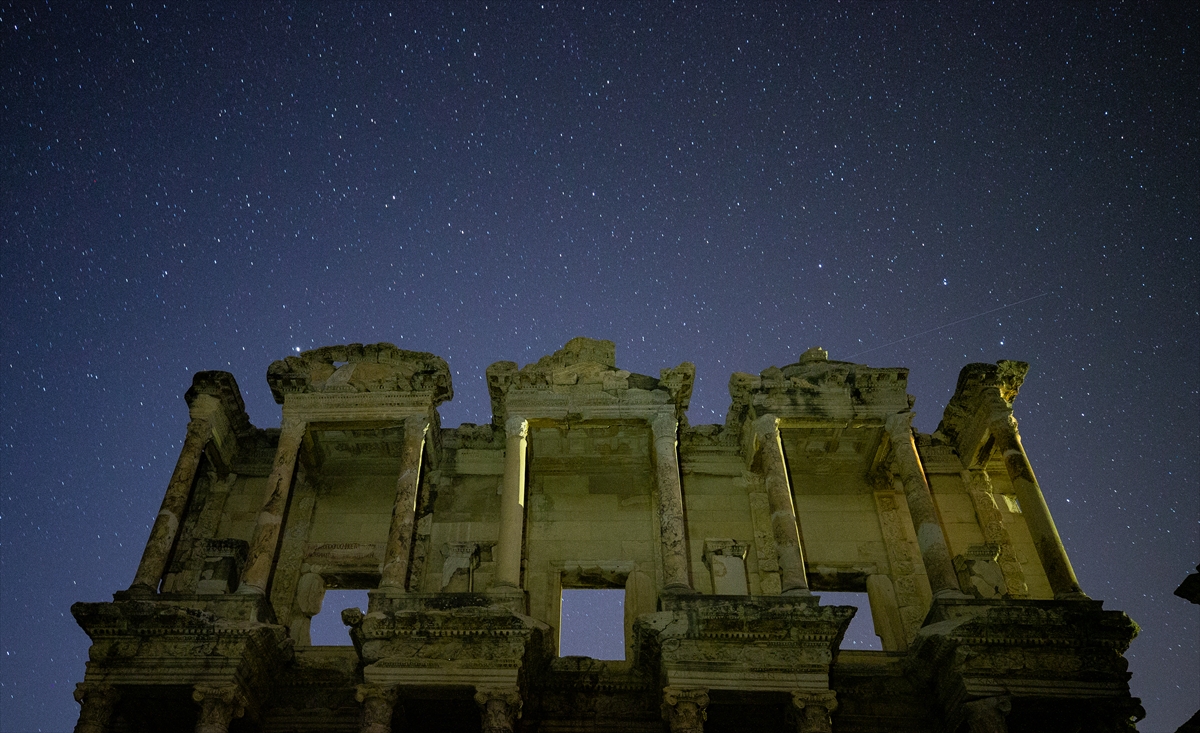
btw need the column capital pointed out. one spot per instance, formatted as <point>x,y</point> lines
<point>1004,425</point>
<point>417,423</point>
<point>96,703</point>
<point>219,704</point>
<point>665,425</point>
<point>812,710</point>
<point>899,423</point>
<point>766,426</point>
<point>516,426</point>
<point>499,708</point>
<point>378,704</point>
<point>685,708</point>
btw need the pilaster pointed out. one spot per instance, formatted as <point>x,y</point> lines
<point>670,503</point>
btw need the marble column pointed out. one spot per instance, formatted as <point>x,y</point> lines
<point>907,466</point>
<point>219,705</point>
<point>988,715</point>
<point>96,704</point>
<point>811,710</point>
<point>685,709</point>
<point>499,709</point>
<point>378,704</point>
<point>1049,545</point>
<point>394,578</point>
<point>670,503</point>
<point>512,505</point>
<point>257,572</point>
<point>793,577</point>
<point>174,504</point>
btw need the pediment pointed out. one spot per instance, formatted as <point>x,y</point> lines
<point>357,368</point>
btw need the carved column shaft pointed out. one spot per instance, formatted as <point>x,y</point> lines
<point>218,707</point>
<point>991,522</point>
<point>170,514</point>
<point>685,709</point>
<point>400,535</point>
<point>378,705</point>
<point>270,518</point>
<point>793,577</point>
<point>988,715</point>
<point>934,552</point>
<point>96,705</point>
<point>1049,545</point>
<point>512,505</point>
<point>498,709</point>
<point>670,503</point>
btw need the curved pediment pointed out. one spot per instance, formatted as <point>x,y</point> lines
<point>357,368</point>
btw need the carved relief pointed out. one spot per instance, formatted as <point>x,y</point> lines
<point>811,711</point>
<point>684,709</point>
<point>904,558</point>
<point>499,709</point>
<point>991,521</point>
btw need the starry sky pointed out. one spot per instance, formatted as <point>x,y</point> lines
<point>190,186</point>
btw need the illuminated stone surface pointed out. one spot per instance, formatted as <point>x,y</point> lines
<point>591,477</point>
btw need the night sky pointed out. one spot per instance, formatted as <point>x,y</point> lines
<point>905,184</point>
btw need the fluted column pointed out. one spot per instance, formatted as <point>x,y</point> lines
<point>792,576</point>
<point>987,715</point>
<point>943,581</point>
<point>96,705</point>
<point>378,704</point>
<point>811,711</point>
<point>685,709</point>
<point>670,503</point>
<point>257,572</point>
<point>499,709</point>
<point>170,514</point>
<point>1049,545</point>
<point>219,705</point>
<point>400,536</point>
<point>512,505</point>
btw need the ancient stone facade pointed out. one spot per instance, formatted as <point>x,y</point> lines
<point>590,476</point>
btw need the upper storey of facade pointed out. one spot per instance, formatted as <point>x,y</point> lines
<point>721,537</point>
<point>605,482</point>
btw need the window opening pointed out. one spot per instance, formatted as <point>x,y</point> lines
<point>592,624</point>
<point>327,628</point>
<point>861,633</point>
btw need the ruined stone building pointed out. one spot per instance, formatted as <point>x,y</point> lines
<point>722,538</point>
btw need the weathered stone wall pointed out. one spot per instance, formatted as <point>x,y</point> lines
<point>589,476</point>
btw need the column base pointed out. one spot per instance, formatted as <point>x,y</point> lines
<point>796,592</point>
<point>140,590</point>
<point>1072,595</point>
<point>951,594</point>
